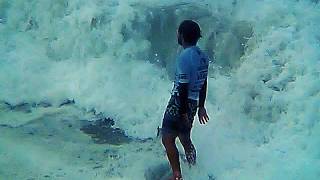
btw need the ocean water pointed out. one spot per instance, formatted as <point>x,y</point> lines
<point>65,64</point>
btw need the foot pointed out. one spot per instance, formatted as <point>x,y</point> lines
<point>177,176</point>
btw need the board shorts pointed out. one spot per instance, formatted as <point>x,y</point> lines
<point>172,123</point>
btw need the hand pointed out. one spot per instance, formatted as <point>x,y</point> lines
<point>202,115</point>
<point>185,120</point>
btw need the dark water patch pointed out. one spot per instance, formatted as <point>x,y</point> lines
<point>51,126</point>
<point>58,124</point>
<point>6,104</point>
<point>97,167</point>
<point>25,107</point>
<point>145,140</point>
<point>103,132</point>
<point>158,172</point>
<point>48,125</point>
<point>67,102</point>
<point>22,107</point>
<point>43,104</point>
<point>211,177</point>
<point>5,126</point>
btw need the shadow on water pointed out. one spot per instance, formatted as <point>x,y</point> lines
<point>102,132</point>
<point>98,127</point>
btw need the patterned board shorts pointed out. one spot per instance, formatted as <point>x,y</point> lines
<point>172,123</point>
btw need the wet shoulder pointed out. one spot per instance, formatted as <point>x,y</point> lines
<point>193,53</point>
<point>186,53</point>
<point>185,56</point>
<point>199,54</point>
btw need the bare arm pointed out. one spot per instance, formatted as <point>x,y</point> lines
<point>202,112</point>
<point>183,97</point>
<point>203,94</point>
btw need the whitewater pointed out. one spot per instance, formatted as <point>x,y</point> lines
<point>67,63</point>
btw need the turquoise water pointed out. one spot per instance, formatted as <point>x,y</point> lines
<point>115,59</point>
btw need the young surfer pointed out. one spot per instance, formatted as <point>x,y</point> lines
<point>188,96</point>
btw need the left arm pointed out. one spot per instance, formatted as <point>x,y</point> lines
<point>203,94</point>
<point>202,112</point>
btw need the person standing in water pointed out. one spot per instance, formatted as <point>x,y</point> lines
<point>188,95</point>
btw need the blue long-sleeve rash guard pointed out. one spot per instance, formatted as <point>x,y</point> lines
<point>191,77</point>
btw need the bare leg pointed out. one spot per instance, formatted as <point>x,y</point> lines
<point>172,152</point>
<point>189,148</point>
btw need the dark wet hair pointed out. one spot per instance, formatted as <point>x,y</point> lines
<point>190,31</point>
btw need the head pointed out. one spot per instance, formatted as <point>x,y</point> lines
<point>188,33</point>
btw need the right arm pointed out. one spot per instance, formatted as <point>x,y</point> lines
<point>183,71</point>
